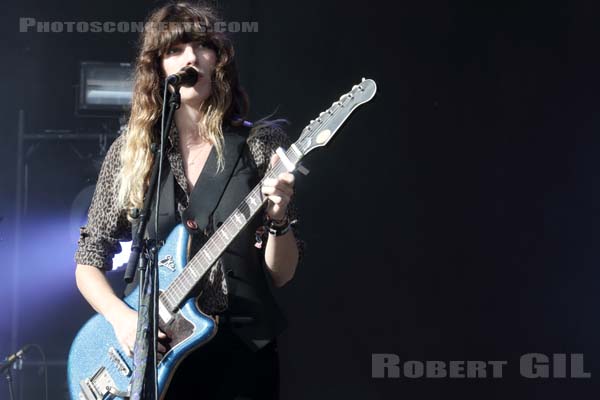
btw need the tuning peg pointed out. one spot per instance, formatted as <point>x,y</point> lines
<point>363,79</point>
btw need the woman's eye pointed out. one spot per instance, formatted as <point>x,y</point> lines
<point>173,50</point>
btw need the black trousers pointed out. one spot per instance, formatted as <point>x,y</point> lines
<point>226,369</point>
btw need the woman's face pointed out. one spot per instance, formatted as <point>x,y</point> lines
<point>198,56</point>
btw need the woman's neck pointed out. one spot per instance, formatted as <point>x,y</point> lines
<point>188,121</point>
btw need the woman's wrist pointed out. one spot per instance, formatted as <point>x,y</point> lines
<point>278,227</point>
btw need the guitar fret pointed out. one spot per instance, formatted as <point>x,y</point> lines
<point>176,289</point>
<point>187,280</point>
<point>165,297</point>
<point>230,229</point>
<point>296,153</point>
<point>252,201</point>
<point>239,218</point>
<point>224,234</point>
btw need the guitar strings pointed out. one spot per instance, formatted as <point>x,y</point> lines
<point>184,283</point>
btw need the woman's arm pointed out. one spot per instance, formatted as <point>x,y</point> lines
<point>281,253</point>
<point>281,257</point>
<point>94,286</point>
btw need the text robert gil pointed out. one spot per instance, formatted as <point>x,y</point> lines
<point>531,365</point>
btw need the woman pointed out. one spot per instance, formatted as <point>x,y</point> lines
<point>241,360</point>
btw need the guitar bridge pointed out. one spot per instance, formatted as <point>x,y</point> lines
<point>96,387</point>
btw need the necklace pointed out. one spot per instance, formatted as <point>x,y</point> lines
<point>196,152</point>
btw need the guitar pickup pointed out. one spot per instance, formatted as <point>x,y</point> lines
<point>119,362</point>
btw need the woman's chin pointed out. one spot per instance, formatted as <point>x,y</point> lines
<point>193,101</point>
<point>191,97</point>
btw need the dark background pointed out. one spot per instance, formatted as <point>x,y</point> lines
<point>456,216</point>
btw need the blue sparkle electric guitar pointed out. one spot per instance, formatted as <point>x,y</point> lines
<point>98,368</point>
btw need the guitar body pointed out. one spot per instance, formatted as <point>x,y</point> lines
<point>96,359</point>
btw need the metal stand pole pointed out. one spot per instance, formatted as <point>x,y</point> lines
<point>14,334</point>
<point>9,380</point>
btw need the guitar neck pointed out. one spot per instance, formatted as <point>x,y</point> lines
<point>316,134</point>
<point>216,245</point>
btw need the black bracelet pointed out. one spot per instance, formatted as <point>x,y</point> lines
<point>279,228</point>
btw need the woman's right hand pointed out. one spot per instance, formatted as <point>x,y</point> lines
<point>124,323</point>
<point>94,286</point>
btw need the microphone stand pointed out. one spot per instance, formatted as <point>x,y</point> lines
<point>9,380</point>
<point>6,368</point>
<point>144,256</point>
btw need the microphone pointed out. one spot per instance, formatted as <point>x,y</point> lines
<point>187,77</point>
<point>14,357</point>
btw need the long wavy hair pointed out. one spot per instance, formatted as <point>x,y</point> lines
<point>167,26</point>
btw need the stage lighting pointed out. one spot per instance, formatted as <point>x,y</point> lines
<point>105,87</point>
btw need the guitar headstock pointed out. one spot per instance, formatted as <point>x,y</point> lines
<point>320,130</point>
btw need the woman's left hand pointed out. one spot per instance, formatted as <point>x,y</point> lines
<point>279,191</point>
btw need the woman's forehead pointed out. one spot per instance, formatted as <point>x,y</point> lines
<point>176,38</point>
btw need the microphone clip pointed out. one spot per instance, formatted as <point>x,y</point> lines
<point>16,358</point>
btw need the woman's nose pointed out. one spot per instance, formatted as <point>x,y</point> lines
<point>190,55</point>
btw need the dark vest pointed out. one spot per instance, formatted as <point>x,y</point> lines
<point>252,313</point>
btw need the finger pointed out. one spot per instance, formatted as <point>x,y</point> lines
<point>267,190</point>
<point>161,334</point>
<point>270,181</point>
<point>278,190</point>
<point>287,178</point>
<point>279,199</point>
<point>271,190</point>
<point>285,188</point>
<point>285,182</point>
<point>161,348</point>
<point>124,346</point>
<point>274,159</point>
<point>276,195</point>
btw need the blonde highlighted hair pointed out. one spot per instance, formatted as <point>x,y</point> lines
<point>227,102</point>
